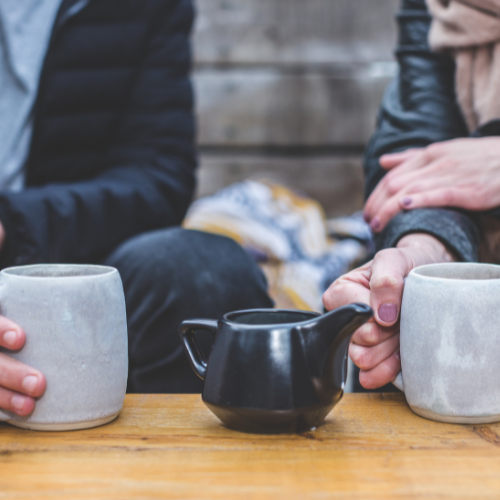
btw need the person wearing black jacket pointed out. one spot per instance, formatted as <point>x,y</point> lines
<point>432,168</point>
<point>102,168</point>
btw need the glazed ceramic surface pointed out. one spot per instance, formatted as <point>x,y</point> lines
<point>450,342</point>
<point>274,371</point>
<point>75,323</point>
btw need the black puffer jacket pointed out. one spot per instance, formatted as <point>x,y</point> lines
<point>420,108</point>
<point>112,153</point>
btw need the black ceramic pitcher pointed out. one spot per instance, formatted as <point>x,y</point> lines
<point>273,370</point>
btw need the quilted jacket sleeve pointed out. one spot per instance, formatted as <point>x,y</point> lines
<point>419,108</point>
<point>148,178</point>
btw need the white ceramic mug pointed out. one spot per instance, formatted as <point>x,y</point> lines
<point>450,342</point>
<point>76,334</point>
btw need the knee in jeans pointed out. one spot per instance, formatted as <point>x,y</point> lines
<point>189,260</point>
<point>147,251</point>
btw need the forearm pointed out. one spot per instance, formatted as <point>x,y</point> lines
<point>455,229</point>
<point>419,106</point>
<point>437,251</point>
<point>83,222</point>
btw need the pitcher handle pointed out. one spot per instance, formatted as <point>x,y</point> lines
<point>195,355</point>
<point>398,381</point>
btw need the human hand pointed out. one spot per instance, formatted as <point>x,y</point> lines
<point>462,173</point>
<point>19,383</point>
<point>374,347</point>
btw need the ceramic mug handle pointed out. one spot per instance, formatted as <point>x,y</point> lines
<point>195,355</point>
<point>398,382</point>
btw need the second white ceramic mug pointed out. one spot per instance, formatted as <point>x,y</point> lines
<point>76,334</point>
<point>450,342</point>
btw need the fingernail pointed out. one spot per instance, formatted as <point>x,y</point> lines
<point>388,312</point>
<point>366,218</point>
<point>406,202</point>
<point>18,402</point>
<point>30,383</point>
<point>398,355</point>
<point>10,338</point>
<point>375,223</point>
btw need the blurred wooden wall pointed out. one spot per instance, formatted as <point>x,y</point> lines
<point>289,90</point>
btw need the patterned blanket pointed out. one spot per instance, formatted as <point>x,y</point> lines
<point>286,233</point>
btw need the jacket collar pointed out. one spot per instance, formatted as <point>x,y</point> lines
<point>68,9</point>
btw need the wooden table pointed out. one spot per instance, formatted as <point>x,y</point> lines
<point>171,446</point>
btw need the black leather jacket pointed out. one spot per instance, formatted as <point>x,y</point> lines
<point>419,108</point>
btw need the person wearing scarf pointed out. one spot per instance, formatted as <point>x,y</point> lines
<point>432,167</point>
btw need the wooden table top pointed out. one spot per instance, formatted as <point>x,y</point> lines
<point>171,446</point>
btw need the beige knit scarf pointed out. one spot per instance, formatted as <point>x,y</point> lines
<point>470,31</point>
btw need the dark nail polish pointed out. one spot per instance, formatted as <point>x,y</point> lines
<point>375,224</point>
<point>406,202</point>
<point>388,312</point>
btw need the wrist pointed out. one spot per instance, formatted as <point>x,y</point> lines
<point>433,247</point>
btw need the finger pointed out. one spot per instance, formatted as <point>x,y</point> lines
<point>394,184</point>
<point>352,287</point>
<point>388,211</point>
<point>383,204</point>
<point>404,185</point>
<point>396,180</point>
<point>399,202</point>
<point>441,197</point>
<point>392,160</point>
<point>382,374</point>
<point>12,336</point>
<point>422,157</point>
<point>21,378</point>
<point>367,358</point>
<point>371,334</point>
<point>16,403</point>
<point>385,189</point>
<point>389,269</point>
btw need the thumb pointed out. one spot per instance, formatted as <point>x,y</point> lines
<point>392,160</point>
<point>389,269</point>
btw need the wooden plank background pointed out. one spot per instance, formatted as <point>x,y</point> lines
<point>289,89</point>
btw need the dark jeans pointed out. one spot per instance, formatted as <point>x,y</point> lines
<point>172,275</point>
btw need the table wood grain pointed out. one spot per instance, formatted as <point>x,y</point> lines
<point>171,446</point>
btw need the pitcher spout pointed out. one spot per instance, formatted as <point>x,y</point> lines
<point>326,342</point>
